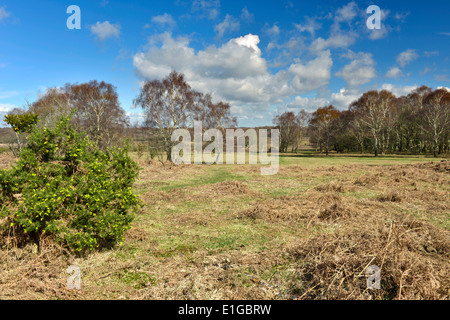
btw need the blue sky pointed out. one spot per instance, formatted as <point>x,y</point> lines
<point>263,57</point>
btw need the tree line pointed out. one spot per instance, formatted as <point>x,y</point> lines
<point>167,104</point>
<point>378,122</point>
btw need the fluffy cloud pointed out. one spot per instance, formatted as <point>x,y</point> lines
<point>105,30</point>
<point>394,72</point>
<point>239,58</point>
<point>347,13</point>
<point>273,31</point>
<point>246,16</point>
<point>312,75</point>
<point>376,34</point>
<point>5,107</point>
<point>235,72</point>
<point>344,98</point>
<point>310,25</point>
<point>164,20</point>
<point>309,104</point>
<point>209,9</point>
<point>358,72</point>
<point>398,90</point>
<point>229,24</point>
<point>336,40</point>
<point>406,57</point>
<point>341,34</point>
<point>158,62</point>
<point>341,100</point>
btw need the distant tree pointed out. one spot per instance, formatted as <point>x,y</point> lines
<point>435,116</point>
<point>410,118</point>
<point>51,105</point>
<point>324,121</point>
<point>373,110</point>
<point>346,136</point>
<point>357,129</point>
<point>379,121</point>
<point>302,120</point>
<point>217,116</point>
<point>98,111</point>
<point>171,103</point>
<point>288,125</point>
<point>168,104</point>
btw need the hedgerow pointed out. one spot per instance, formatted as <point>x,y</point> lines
<point>63,186</point>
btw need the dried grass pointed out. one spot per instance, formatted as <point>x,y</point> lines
<point>311,207</point>
<point>6,159</point>
<point>334,186</point>
<point>32,274</point>
<point>412,255</point>
<point>367,180</point>
<point>335,208</point>
<point>391,196</point>
<point>230,188</point>
<point>278,209</point>
<point>320,239</point>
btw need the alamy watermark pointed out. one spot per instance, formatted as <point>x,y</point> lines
<point>74,21</point>
<point>213,153</point>
<point>374,21</point>
<point>74,281</point>
<point>373,274</point>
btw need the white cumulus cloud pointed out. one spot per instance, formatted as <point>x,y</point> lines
<point>312,75</point>
<point>398,90</point>
<point>209,9</point>
<point>394,72</point>
<point>344,98</point>
<point>336,40</point>
<point>105,30</point>
<point>164,20</point>
<point>234,72</point>
<point>229,24</point>
<point>406,57</point>
<point>359,71</point>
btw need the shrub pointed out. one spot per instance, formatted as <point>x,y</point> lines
<point>65,187</point>
<point>21,124</point>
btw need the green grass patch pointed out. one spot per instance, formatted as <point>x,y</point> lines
<point>215,174</point>
<point>138,280</point>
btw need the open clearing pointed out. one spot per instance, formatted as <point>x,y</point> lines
<point>226,232</point>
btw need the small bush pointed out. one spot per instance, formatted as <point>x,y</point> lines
<point>65,187</point>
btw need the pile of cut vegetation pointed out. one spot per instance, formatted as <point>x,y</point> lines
<point>229,187</point>
<point>412,256</point>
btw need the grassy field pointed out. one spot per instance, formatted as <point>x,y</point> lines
<point>227,232</point>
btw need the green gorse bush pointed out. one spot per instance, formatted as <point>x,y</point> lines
<point>64,187</point>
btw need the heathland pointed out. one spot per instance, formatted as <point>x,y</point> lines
<point>227,232</point>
